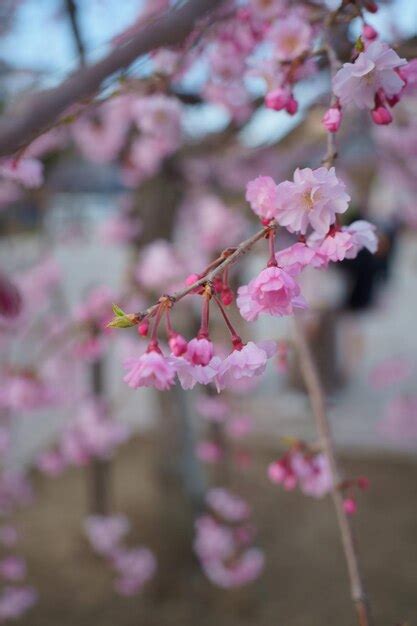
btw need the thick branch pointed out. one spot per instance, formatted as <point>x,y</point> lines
<point>316,395</point>
<point>42,110</point>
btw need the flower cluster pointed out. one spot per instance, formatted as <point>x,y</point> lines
<point>134,567</point>
<point>223,541</point>
<point>374,81</point>
<point>300,467</point>
<point>16,598</point>
<point>91,434</point>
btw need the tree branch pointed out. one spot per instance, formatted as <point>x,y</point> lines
<point>42,110</point>
<point>228,257</point>
<point>316,396</point>
<point>71,8</point>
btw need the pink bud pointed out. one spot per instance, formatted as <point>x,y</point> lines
<point>363,482</point>
<point>143,328</point>
<point>371,6</point>
<point>178,344</point>
<point>381,116</point>
<point>332,119</point>
<point>292,105</point>
<point>369,32</point>
<point>349,506</point>
<point>276,472</point>
<point>277,99</point>
<point>227,296</point>
<point>191,279</point>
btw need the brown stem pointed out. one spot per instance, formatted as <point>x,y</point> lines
<point>43,109</point>
<point>316,396</point>
<point>239,251</point>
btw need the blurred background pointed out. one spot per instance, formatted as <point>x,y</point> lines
<point>78,446</point>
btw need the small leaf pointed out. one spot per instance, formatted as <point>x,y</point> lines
<point>122,321</point>
<point>118,311</point>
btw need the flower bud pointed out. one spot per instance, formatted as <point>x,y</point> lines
<point>381,116</point>
<point>349,506</point>
<point>332,119</point>
<point>178,344</point>
<point>369,32</point>
<point>143,328</point>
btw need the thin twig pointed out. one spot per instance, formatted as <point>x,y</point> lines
<point>228,258</point>
<point>73,17</point>
<point>316,395</point>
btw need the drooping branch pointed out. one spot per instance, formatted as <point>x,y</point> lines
<point>316,395</point>
<point>228,257</point>
<point>42,110</point>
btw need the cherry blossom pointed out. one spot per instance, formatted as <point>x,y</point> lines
<point>27,171</point>
<point>375,69</point>
<point>312,199</point>
<point>272,292</point>
<point>106,532</point>
<point>250,360</point>
<point>291,37</point>
<point>261,193</point>
<point>151,369</point>
<point>310,472</point>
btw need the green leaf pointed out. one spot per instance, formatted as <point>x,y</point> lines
<point>118,311</point>
<point>122,321</point>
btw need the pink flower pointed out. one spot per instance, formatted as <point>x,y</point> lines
<point>408,73</point>
<point>250,361</point>
<point>334,247</point>
<point>363,235</point>
<point>296,257</point>
<point>261,193</point>
<point>106,532</point>
<point>27,171</point>
<point>332,119</point>
<point>241,571</point>
<point>273,292</point>
<point>13,568</point>
<point>135,568</point>
<point>208,452</point>
<point>189,374</point>
<point>313,199</point>
<point>373,70</point>
<point>281,98</point>
<point>159,266</point>
<point>160,116</point>
<point>51,463</point>
<point>227,505</point>
<point>239,426</point>
<point>15,601</point>
<point>92,433</point>
<point>266,9</point>
<point>100,138</point>
<point>199,351</point>
<point>311,472</point>
<point>152,369</point>
<point>291,36</point>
